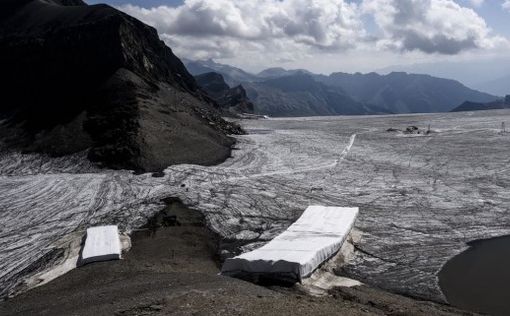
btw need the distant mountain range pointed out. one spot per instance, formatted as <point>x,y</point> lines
<point>281,92</point>
<point>233,76</point>
<point>399,92</point>
<point>476,106</point>
<point>278,72</point>
<point>301,95</point>
<point>487,75</point>
<point>499,86</point>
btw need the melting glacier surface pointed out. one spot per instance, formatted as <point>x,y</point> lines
<point>421,197</point>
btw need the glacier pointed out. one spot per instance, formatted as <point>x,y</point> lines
<point>420,197</point>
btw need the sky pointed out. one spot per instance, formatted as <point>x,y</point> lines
<point>331,35</point>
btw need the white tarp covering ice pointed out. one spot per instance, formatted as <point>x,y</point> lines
<point>314,238</point>
<point>102,243</point>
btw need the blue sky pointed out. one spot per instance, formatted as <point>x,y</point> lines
<point>495,16</point>
<point>333,35</point>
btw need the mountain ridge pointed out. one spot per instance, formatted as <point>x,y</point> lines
<point>276,72</point>
<point>397,92</point>
<point>99,80</point>
<point>400,92</point>
<point>301,95</point>
<point>233,76</point>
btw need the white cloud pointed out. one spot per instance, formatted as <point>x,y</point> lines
<point>430,26</point>
<point>506,5</point>
<point>320,34</point>
<point>221,28</point>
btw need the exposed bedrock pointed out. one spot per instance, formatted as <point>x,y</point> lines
<point>80,77</point>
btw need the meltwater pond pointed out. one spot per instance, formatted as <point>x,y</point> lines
<point>478,279</point>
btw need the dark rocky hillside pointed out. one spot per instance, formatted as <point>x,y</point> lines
<point>78,77</point>
<point>476,106</point>
<point>231,100</point>
<point>400,92</point>
<point>301,95</point>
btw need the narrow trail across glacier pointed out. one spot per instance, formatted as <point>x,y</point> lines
<point>346,150</point>
<point>318,167</point>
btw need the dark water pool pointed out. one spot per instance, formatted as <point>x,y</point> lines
<point>478,279</point>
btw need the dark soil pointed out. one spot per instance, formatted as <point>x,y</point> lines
<point>172,270</point>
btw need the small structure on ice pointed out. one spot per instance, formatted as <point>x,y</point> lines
<point>102,243</point>
<point>314,238</point>
<point>411,130</point>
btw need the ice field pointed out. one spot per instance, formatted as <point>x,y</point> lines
<point>421,197</point>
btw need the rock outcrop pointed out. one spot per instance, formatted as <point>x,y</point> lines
<point>80,77</point>
<point>231,100</point>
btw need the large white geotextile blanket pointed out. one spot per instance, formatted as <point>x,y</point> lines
<point>314,238</point>
<point>102,243</point>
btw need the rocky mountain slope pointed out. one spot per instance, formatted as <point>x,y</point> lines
<point>477,106</point>
<point>301,95</point>
<point>373,93</point>
<point>82,77</point>
<point>231,100</point>
<point>399,92</point>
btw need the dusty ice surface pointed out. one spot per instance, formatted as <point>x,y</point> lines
<point>420,197</point>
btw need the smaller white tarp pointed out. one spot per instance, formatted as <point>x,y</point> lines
<point>102,243</point>
<point>314,238</point>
